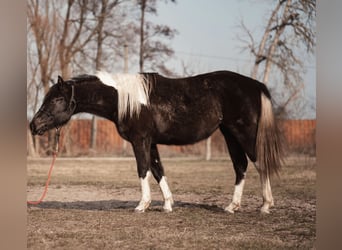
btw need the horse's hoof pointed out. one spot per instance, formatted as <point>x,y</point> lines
<point>168,205</point>
<point>232,208</point>
<point>167,210</point>
<point>264,210</point>
<point>143,205</point>
<point>139,211</point>
<point>229,210</point>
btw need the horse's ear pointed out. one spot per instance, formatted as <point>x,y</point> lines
<point>60,80</point>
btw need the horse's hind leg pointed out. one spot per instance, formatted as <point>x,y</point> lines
<point>240,163</point>
<point>158,173</point>
<point>267,197</point>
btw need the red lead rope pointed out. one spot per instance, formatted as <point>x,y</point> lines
<point>50,171</point>
<point>46,184</point>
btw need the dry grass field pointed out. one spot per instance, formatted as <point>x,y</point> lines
<point>90,205</point>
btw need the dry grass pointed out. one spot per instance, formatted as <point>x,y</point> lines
<point>90,205</point>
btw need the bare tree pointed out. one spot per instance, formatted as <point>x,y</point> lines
<point>290,28</point>
<point>151,49</point>
<point>102,11</point>
<point>71,36</point>
<point>42,22</point>
<point>42,26</point>
<point>74,34</point>
<point>54,41</point>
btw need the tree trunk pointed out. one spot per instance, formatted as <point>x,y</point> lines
<point>93,134</point>
<point>67,140</point>
<point>124,144</point>
<point>259,56</point>
<point>98,66</point>
<point>37,145</point>
<point>30,144</point>
<point>51,138</point>
<point>274,45</point>
<point>142,23</point>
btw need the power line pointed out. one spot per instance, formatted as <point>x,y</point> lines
<point>212,56</point>
<point>224,57</point>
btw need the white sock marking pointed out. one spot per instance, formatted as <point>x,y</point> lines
<point>236,202</point>
<point>266,192</point>
<point>168,201</point>
<point>146,193</point>
<point>238,192</point>
<point>267,195</point>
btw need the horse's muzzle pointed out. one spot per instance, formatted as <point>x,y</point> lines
<point>37,130</point>
<point>33,128</point>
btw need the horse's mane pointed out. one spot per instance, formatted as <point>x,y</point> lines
<point>133,91</point>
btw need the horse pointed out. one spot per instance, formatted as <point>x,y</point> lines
<point>149,109</point>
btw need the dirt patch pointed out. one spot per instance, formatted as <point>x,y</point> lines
<point>90,205</point>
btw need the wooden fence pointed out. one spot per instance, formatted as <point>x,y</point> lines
<point>299,137</point>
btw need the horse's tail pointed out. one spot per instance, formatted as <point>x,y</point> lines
<point>268,143</point>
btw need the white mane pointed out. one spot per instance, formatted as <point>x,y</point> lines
<point>133,91</point>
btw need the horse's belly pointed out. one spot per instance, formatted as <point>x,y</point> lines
<point>181,138</point>
<point>185,130</point>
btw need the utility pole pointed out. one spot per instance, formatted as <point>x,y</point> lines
<point>93,133</point>
<point>124,145</point>
<point>142,23</point>
<point>125,58</point>
<point>208,149</point>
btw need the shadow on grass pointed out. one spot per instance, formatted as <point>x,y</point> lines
<point>107,205</point>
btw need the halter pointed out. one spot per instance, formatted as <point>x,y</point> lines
<point>71,109</point>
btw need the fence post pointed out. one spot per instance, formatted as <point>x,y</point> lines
<point>208,149</point>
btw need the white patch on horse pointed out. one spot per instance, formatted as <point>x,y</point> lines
<point>146,193</point>
<point>236,202</point>
<point>107,78</point>
<point>267,196</point>
<point>168,200</point>
<point>133,91</point>
<point>266,192</point>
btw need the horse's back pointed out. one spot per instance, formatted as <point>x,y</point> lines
<point>218,80</point>
<point>231,90</point>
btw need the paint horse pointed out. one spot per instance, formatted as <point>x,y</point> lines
<point>149,109</point>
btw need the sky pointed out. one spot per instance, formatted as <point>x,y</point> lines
<point>207,38</point>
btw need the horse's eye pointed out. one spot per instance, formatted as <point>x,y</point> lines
<point>59,99</point>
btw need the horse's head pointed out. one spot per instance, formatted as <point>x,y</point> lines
<point>58,106</point>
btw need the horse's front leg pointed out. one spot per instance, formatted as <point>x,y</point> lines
<point>142,155</point>
<point>158,173</point>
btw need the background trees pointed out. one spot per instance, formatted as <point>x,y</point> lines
<point>152,49</point>
<point>73,37</point>
<point>290,28</point>
<point>80,36</point>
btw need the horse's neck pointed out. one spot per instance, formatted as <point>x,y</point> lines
<point>97,99</point>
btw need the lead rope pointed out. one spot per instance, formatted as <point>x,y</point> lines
<point>50,170</point>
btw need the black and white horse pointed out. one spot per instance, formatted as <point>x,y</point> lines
<point>149,109</point>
